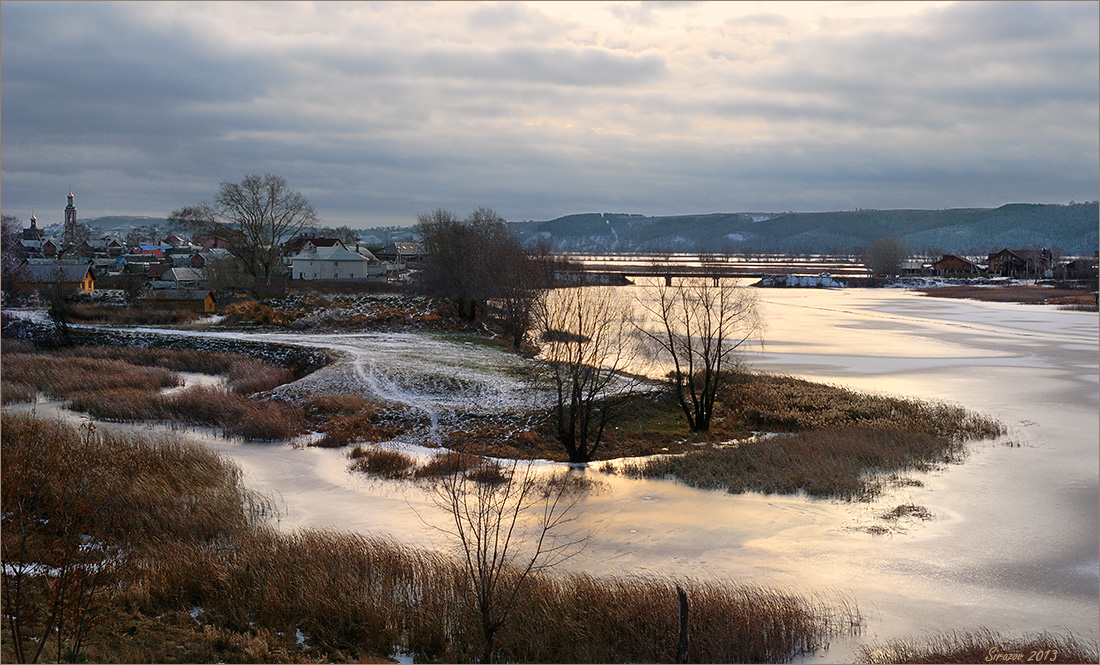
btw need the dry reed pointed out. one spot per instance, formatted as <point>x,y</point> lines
<point>983,646</point>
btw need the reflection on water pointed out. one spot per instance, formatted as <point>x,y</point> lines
<point>1014,542</point>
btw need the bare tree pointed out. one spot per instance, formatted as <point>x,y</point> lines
<point>885,256</point>
<point>698,325</point>
<point>507,527</point>
<point>267,213</point>
<point>588,347</point>
<point>10,248</point>
<point>481,266</point>
<point>255,216</point>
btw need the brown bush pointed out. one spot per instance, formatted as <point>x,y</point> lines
<point>381,462</point>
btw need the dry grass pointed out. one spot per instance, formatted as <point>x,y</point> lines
<point>13,393</point>
<point>828,463</point>
<point>845,443</point>
<point>123,384</point>
<point>206,582</point>
<point>381,462</point>
<point>984,646</point>
<point>245,375</point>
<point>61,377</point>
<point>129,315</point>
<point>1021,293</point>
<point>349,418</point>
<point>256,420</point>
<point>782,403</point>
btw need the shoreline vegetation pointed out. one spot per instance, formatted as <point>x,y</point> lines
<point>1028,294</point>
<point>162,544</point>
<point>771,434</point>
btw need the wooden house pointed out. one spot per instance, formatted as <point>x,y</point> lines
<point>951,264</point>
<point>335,262</point>
<point>72,278</point>
<point>1021,263</point>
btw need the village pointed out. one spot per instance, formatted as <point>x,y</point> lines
<point>198,274</point>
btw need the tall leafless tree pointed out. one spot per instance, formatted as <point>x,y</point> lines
<point>507,527</point>
<point>697,324</point>
<point>267,213</point>
<point>256,216</point>
<point>588,348</point>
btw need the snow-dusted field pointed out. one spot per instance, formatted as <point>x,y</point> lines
<point>1015,540</point>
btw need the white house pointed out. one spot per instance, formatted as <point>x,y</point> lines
<point>334,262</point>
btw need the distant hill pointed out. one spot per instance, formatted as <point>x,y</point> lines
<point>1073,228</point>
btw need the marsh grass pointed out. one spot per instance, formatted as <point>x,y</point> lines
<point>205,580</point>
<point>840,443</point>
<point>782,403</point>
<point>381,462</point>
<point>845,463</point>
<point>1020,293</point>
<point>347,418</point>
<point>983,646</point>
<point>63,377</point>
<point>129,315</point>
<point>123,384</point>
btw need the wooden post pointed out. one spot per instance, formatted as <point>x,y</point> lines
<point>682,648</point>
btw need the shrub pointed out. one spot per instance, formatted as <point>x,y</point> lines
<point>381,462</point>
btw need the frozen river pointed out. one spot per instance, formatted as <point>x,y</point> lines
<point>1014,542</point>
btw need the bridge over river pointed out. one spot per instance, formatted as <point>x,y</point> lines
<point>714,265</point>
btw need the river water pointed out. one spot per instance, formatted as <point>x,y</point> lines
<point>1014,543</point>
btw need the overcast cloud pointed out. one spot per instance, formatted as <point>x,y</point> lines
<point>380,111</point>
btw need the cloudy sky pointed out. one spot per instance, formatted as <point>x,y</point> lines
<point>379,111</point>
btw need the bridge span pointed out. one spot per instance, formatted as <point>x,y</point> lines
<point>713,265</point>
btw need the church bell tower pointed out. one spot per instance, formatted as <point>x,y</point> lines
<point>70,222</point>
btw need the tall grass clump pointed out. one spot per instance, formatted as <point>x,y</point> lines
<point>63,377</point>
<point>345,418</point>
<point>267,420</point>
<point>830,463</point>
<point>782,403</point>
<point>983,646</point>
<point>81,510</point>
<point>245,375</point>
<point>635,619</point>
<point>390,464</point>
